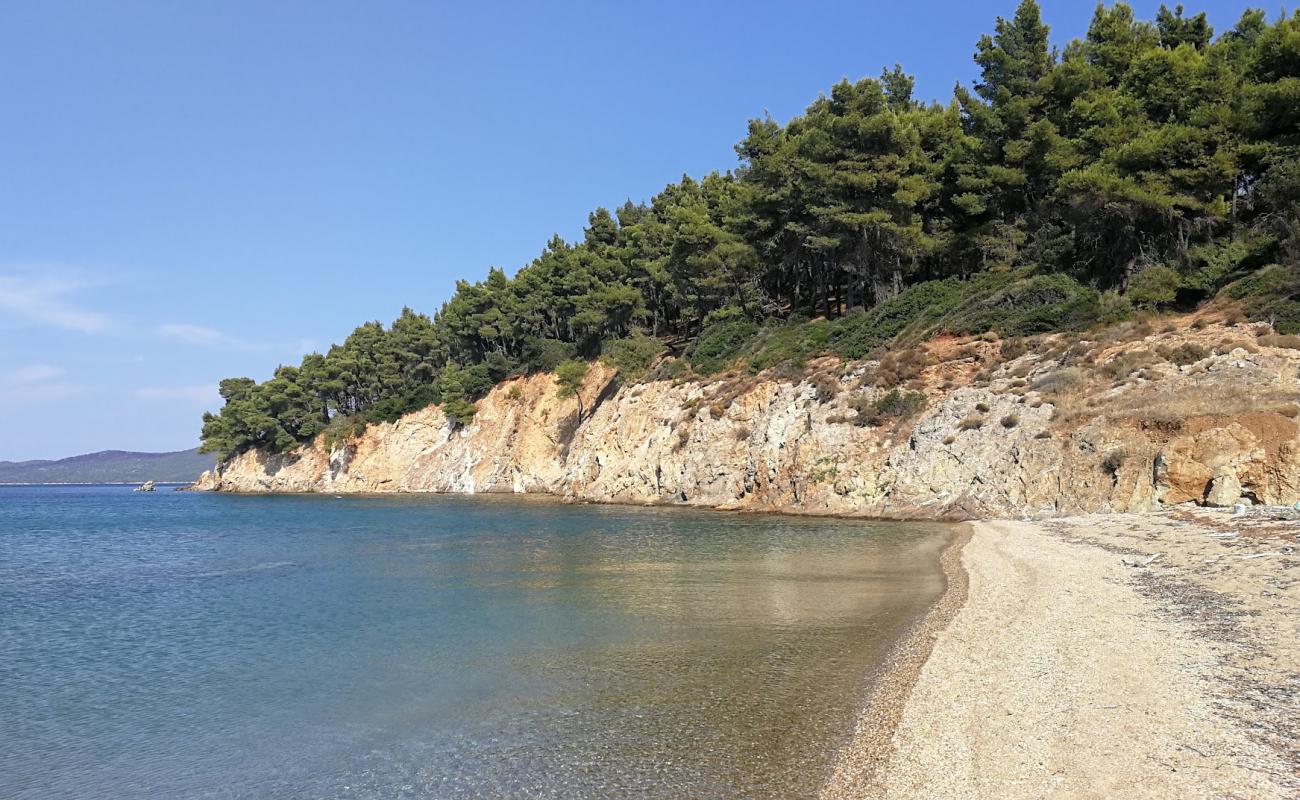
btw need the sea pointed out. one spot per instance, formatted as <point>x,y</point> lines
<point>191,645</point>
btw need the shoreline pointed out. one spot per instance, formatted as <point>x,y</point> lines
<point>100,483</point>
<point>1110,655</point>
<point>791,510</point>
<point>860,764</point>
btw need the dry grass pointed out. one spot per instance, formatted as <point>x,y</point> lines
<point>1185,353</point>
<point>826,386</point>
<point>1158,404</point>
<point>1228,345</point>
<point>1290,342</point>
<point>899,367</point>
<point>1059,381</point>
<point>1125,364</point>
<point>1014,348</point>
<point>724,393</point>
<point>1124,331</point>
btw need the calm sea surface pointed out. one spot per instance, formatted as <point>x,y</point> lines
<point>180,645</point>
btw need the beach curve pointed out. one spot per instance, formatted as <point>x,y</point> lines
<point>1068,659</point>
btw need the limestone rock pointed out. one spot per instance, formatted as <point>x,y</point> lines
<point>761,443</point>
<point>1225,490</point>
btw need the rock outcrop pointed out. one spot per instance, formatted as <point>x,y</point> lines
<point>1067,427</point>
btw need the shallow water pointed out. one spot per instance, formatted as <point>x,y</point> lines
<point>215,646</point>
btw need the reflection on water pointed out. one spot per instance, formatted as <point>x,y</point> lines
<point>201,646</point>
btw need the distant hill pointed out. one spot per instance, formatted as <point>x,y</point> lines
<point>110,466</point>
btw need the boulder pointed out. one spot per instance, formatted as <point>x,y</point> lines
<point>1225,490</point>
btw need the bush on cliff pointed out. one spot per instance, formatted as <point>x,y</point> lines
<point>893,406</point>
<point>633,356</point>
<point>1270,295</point>
<point>719,345</point>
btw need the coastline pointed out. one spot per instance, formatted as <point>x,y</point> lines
<point>860,765</point>
<point>1109,655</point>
<point>101,483</point>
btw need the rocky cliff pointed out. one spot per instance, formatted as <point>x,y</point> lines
<point>1130,419</point>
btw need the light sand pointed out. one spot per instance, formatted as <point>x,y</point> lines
<point>1068,673</point>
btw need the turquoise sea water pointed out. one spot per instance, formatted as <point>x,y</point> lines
<point>200,646</point>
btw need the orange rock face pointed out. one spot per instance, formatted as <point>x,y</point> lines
<point>1068,427</point>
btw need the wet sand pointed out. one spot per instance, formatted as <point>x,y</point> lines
<point>1068,659</point>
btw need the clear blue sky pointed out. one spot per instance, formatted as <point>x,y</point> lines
<point>191,191</point>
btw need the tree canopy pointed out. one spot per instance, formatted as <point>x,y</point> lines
<point>1150,158</point>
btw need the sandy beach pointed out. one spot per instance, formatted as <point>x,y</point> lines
<point>1136,656</point>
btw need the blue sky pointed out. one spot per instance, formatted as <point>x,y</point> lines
<point>192,191</point>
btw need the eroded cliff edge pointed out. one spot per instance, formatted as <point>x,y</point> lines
<point>1129,420</point>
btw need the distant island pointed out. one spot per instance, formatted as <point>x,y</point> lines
<point>110,466</point>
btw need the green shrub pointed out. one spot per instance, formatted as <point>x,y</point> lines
<point>341,429</point>
<point>1114,307</point>
<point>855,335</point>
<point>1213,263</point>
<point>390,409</point>
<point>459,388</point>
<point>632,356</point>
<point>1271,294</point>
<point>1036,304</point>
<point>459,411</point>
<point>1010,304</point>
<point>1154,287</point>
<point>720,344</point>
<point>569,376</point>
<point>790,344</point>
<point>543,355</point>
<point>894,405</point>
<point>671,369</point>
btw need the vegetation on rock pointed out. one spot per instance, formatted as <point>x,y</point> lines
<point>1148,165</point>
